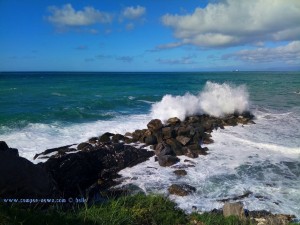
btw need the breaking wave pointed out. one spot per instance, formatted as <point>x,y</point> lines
<point>215,100</point>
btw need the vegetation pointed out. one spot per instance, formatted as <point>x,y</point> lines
<point>131,210</point>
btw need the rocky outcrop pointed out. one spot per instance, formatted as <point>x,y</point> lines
<point>20,178</point>
<point>181,189</point>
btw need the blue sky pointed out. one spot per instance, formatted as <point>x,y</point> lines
<point>143,35</point>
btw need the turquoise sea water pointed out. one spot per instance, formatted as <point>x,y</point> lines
<point>42,110</point>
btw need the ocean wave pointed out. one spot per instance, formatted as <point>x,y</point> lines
<point>215,100</point>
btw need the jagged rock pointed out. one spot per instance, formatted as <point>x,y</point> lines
<point>128,134</point>
<point>155,125</point>
<point>193,119</point>
<point>234,209</point>
<point>185,131</point>
<point>75,173</point>
<point>105,137</point>
<point>167,160</point>
<point>181,189</point>
<point>173,121</point>
<point>175,146</point>
<point>137,135</point>
<point>207,141</point>
<point>20,178</point>
<point>4,148</point>
<point>59,151</point>
<point>183,140</point>
<point>180,172</point>
<point>189,153</point>
<point>84,146</point>
<point>168,132</point>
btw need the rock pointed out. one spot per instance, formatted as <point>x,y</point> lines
<point>128,134</point>
<point>183,140</point>
<point>167,160</point>
<point>168,132</point>
<point>93,140</point>
<point>59,151</point>
<point>137,135</point>
<point>180,172</point>
<point>207,141</point>
<point>193,119</point>
<point>173,121</point>
<point>181,189</point>
<point>76,173</point>
<point>185,131</point>
<point>189,153</point>
<point>150,140</point>
<point>20,178</point>
<point>117,138</point>
<point>84,146</point>
<point>175,146</point>
<point>3,146</point>
<point>155,125</point>
<point>105,137</point>
<point>234,209</point>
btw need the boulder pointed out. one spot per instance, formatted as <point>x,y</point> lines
<point>93,140</point>
<point>234,209</point>
<point>3,146</point>
<point>183,140</point>
<point>137,135</point>
<point>20,178</point>
<point>150,140</point>
<point>105,137</point>
<point>117,138</point>
<point>173,121</point>
<point>180,172</point>
<point>155,125</point>
<point>175,146</point>
<point>167,160</point>
<point>84,146</point>
<point>168,132</point>
<point>181,189</point>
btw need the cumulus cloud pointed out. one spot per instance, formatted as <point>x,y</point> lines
<point>134,12</point>
<point>289,54</point>
<point>235,22</point>
<point>68,16</point>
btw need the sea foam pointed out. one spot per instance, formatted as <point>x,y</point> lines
<point>215,100</point>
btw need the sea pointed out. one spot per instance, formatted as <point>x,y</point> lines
<point>42,110</point>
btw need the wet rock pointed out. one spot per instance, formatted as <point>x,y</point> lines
<point>3,146</point>
<point>150,140</point>
<point>173,121</point>
<point>181,189</point>
<point>84,146</point>
<point>234,209</point>
<point>189,153</point>
<point>180,172</point>
<point>58,151</point>
<point>155,125</point>
<point>207,141</point>
<point>137,135</point>
<point>167,160</point>
<point>185,131</point>
<point>105,137</point>
<point>93,140</point>
<point>175,146</point>
<point>168,132</point>
<point>183,140</point>
<point>117,138</point>
<point>193,119</point>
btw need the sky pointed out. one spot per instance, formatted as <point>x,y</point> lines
<point>149,35</point>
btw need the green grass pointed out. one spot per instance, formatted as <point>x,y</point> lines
<point>131,210</point>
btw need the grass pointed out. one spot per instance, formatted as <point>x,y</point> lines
<point>129,210</point>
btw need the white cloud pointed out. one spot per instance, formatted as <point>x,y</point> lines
<point>288,54</point>
<point>235,22</point>
<point>68,16</point>
<point>134,12</point>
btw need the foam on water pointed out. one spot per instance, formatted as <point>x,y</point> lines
<point>215,100</point>
<point>261,158</point>
<point>38,137</point>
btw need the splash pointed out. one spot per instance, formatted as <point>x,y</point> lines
<point>215,100</point>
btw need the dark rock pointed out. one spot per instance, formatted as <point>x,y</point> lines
<point>193,119</point>
<point>3,146</point>
<point>189,153</point>
<point>183,140</point>
<point>84,146</point>
<point>155,125</point>
<point>159,136</point>
<point>185,131</point>
<point>181,189</point>
<point>105,137</point>
<point>168,132</point>
<point>137,135</point>
<point>75,173</point>
<point>207,141</point>
<point>21,178</point>
<point>93,140</point>
<point>173,121</point>
<point>128,134</point>
<point>175,146</point>
<point>117,138</point>
<point>60,150</point>
<point>180,172</point>
<point>150,140</point>
<point>167,160</point>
